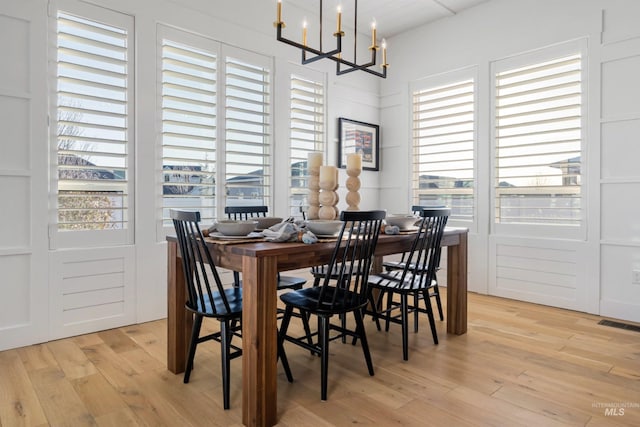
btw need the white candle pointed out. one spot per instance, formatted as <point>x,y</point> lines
<point>354,161</point>
<point>384,53</point>
<point>373,34</point>
<point>314,161</point>
<point>304,32</point>
<point>328,177</point>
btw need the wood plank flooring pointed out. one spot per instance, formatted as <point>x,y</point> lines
<point>519,364</point>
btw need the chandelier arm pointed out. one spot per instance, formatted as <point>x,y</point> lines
<point>355,67</point>
<point>319,54</point>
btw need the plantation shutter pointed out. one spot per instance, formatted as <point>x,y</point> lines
<point>189,127</point>
<point>247,133</point>
<point>94,130</point>
<point>306,135</point>
<point>443,147</point>
<point>538,122</point>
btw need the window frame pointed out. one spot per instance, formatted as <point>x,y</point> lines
<point>531,58</point>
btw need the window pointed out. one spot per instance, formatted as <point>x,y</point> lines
<point>538,138</point>
<point>443,145</point>
<point>216,126</point>
<point>305,136</point>
<point>94,127</point>
<point>247,132</point>
<point>189,120</point>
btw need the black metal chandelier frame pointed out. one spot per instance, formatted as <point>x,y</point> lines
<point>336,54</point>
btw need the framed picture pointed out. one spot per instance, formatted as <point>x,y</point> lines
<point>359,137</point>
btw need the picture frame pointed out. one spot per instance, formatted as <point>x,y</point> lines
<point>359,137</point>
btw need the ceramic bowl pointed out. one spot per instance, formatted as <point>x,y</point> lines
<point>231,227</point>
<point>402,221</point>
<point>324,227</point>
<point>267,222</point>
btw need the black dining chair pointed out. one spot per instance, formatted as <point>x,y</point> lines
<point>434,291</point>
<point>207,297</point>
<point>347,293</point>
<point>246,213</point>
<point>416,277</point>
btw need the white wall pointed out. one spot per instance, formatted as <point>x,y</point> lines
<point>592,272</point>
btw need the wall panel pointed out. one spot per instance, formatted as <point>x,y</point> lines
<point>15,302</point>
<point>14,122</point>
<point>620,298</point>
<point>620,149</point>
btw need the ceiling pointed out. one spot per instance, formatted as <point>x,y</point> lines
<point>392,16</point>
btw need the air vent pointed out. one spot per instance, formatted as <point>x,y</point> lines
<point>620,325</point>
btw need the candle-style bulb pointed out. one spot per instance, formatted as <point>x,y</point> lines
<point>304,32</point>
<point>339,19</point>
<point>279,17</point>
<point>373,35</point>
<point>384,53</point>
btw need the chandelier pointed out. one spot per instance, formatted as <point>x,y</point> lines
<point>343,66</point>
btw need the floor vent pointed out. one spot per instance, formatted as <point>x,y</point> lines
<point>619,325</point>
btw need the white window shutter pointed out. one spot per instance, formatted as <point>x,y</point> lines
<point>94,127</point>
<point>538,142</point>
<point>189,129</point>
<point>306,135</point>
<point>443,147</point>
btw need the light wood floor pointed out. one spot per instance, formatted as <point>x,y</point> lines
<point>519,365</point>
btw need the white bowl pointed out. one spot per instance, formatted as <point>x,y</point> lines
<point>231,227</point>
<point>402,221</point>
<point>324,227</point>
<point>268,221</point>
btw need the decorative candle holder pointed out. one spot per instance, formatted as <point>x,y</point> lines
<point>354,168</point>
<point>314,161</point>
<point>328,197</point>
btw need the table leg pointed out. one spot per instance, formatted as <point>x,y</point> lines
<point>179,320</point>
<point>259,341</point>
<point>457,287</point>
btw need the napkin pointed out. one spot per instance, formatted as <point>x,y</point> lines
<point>288,231</point>
<point>392,229</point>
<point>283,232</point>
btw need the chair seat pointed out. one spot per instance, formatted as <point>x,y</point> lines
<point>392,281</point>
<point>234,298</point>
<point>291,282</point>
<point>307,300</point>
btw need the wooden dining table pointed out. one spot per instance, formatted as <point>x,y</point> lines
<point>260,262</point>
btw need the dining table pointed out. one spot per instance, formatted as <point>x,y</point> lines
<point>260,261</point>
